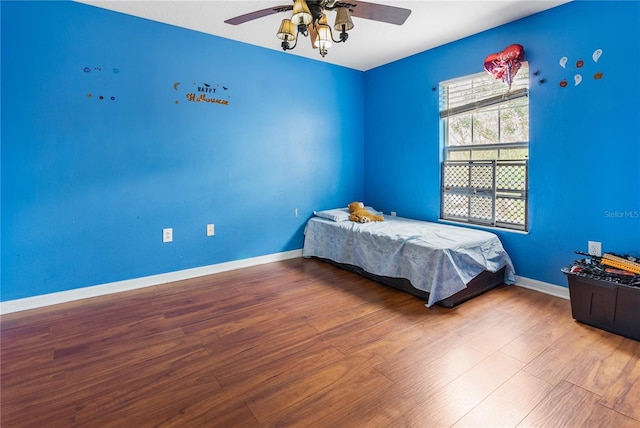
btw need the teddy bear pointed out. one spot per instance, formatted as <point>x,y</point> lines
<point>360,215</point>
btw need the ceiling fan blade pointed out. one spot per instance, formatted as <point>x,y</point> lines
<point>378,12</point>
<point>313,35</point>
<point>258,14</point>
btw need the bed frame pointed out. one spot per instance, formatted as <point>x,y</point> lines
<point>482,283</point>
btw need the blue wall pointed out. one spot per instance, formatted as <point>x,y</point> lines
<point>89,184</point>
<point>584,140</point>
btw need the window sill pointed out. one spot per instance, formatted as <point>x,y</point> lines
<point>480,226</point>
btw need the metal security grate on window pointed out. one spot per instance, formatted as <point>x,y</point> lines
<point>491,193</point>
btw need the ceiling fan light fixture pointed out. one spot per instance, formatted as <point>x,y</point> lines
<point>324,39</point>
<point>343,19</point>
<point>324,34</point>
<point>301,13</point>
<point>286,31</point>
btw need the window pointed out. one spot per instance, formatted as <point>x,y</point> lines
<point>485,130</point>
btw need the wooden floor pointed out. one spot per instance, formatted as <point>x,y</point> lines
<point>303,343</point>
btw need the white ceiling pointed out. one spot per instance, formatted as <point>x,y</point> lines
<point>431,23</point>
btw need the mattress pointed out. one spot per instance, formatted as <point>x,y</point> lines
<point>435,258</point>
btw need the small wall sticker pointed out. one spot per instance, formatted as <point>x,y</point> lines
<point>563,61</point>
<point>596,55</point>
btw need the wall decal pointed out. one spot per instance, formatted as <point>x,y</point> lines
<point>541,80</point>
<point>596,55</point>
<point>577,79</point>
<point>101,97</point>
<point>98,80</point>
<point>206,93</point>
<point>580,63</point>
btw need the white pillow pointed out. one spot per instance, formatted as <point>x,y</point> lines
<point>338,214</point>
<point>373,211</point>
<point>341,214</point>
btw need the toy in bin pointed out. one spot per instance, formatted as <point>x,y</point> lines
<point>609,267</point>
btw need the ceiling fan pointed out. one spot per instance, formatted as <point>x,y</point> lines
<point>309,18</point>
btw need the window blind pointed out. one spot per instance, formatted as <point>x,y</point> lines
<point>482,90</point>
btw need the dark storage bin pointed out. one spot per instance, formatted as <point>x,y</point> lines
<point>607,305</point>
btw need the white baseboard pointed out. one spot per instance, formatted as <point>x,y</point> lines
<point>543,287</point>
<point>136,283</point>
<point>133,284</point>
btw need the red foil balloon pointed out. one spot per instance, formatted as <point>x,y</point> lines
<point>505,65</point>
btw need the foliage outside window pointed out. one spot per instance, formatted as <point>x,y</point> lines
<point>485,129</point>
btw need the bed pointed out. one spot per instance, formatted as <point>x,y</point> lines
<point>440,263</point>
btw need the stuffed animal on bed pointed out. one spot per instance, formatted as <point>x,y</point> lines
<point>360,215</point>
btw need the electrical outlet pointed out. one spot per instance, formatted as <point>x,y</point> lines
<point>210,230</point>
<point>167,235</point>
<point>595,248</point>
<point>393,213</point>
